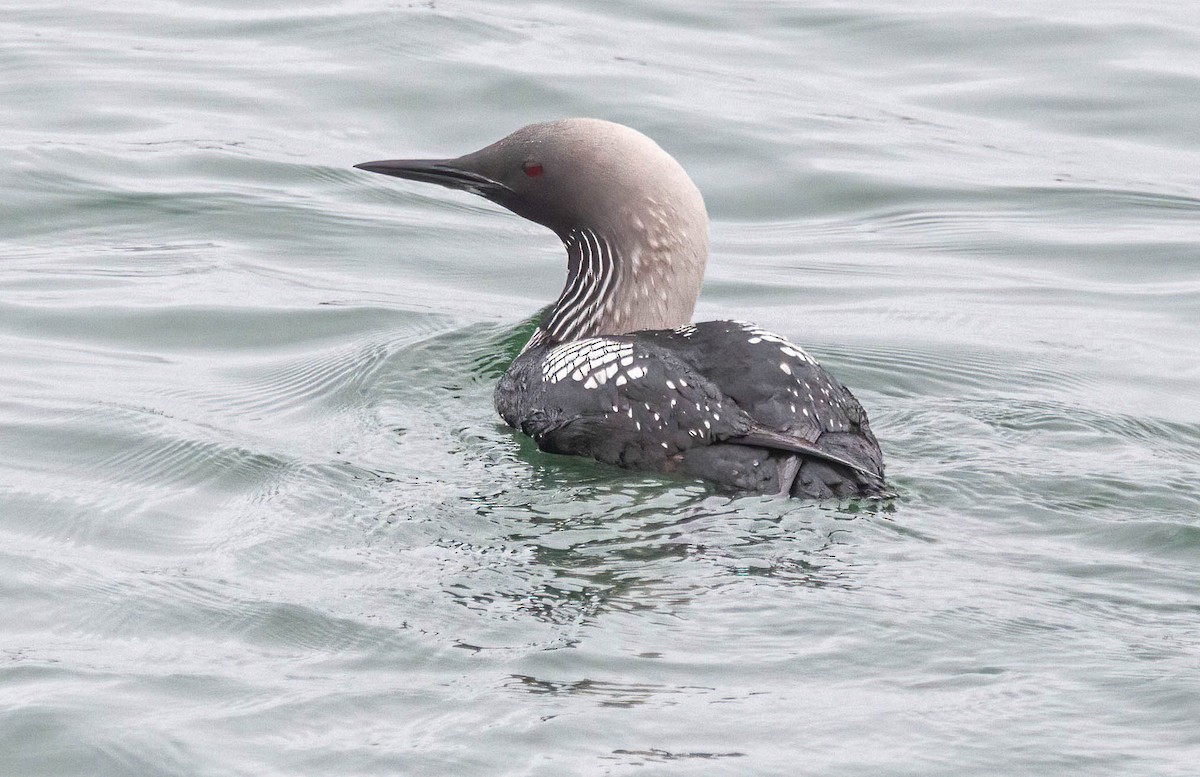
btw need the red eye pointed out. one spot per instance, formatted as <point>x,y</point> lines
<point>532,169</point>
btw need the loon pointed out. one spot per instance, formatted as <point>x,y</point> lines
<point>616,370</point>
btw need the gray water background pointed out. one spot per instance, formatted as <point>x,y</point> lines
<point>257,516</point>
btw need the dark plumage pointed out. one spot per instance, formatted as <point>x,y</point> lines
<point>615,372</point>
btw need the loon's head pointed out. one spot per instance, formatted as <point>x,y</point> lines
<point>634,224</point>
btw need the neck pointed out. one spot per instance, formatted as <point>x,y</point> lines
<point>588,305</point>
<point>616,288</point>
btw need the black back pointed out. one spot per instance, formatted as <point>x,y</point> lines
<point>723,401</point>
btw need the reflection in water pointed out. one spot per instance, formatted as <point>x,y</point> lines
<point>560,540</point>
<point>667,755</point>
<point>606,694</point>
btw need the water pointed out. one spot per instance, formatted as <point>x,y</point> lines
<point>257,516</point>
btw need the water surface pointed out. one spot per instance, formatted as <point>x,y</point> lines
<point>257,515</point>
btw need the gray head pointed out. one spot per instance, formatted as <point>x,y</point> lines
<point>634,224</point>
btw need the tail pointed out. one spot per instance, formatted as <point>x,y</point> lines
<point>816,479</point>
<point>844,465</point>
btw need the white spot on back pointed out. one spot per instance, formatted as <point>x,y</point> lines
<point>582,358</point>
<point>758,335</point>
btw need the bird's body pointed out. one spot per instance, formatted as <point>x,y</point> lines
<point>723,401</point>
<point>616,371</point>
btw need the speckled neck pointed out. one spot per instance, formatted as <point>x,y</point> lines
<point>642,271</point>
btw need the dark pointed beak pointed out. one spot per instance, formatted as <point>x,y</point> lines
<point>444,172</point>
